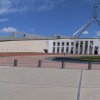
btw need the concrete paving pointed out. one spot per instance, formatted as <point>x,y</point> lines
<point>38,83</point>
<point>91,79</point>
<point>40,76</point>
<point>13,91</point>
<point>90,89</point>
<point>20,83</point>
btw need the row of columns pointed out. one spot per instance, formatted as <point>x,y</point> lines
<point>60,47</point>
<point>74,47</point>
<point>84,47</point>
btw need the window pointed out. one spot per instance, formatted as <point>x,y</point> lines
<point>57,49</point>
<point>71,50</point>
<point>91,42</point>
<point>67,49</point>
<point>72,43</point>
<point>96,50</point>
<point>53,49</point>
<point>54,43</point>
<point>86,42</point>
<point>81,42</point>
<point>67,43</point>
<point>62,50</point>
<point>77,43</point>
<point>62,43</point>
<point>86,47</point>
<point>58,44</point>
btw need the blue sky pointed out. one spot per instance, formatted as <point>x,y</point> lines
<point>47,17</point>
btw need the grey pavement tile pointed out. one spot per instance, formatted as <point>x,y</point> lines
<point>91,78</point>
<point>62,77</point>
<point>4,67</point>
<point>35,92</point>
<point>38,84</point>
<point>90,94</point>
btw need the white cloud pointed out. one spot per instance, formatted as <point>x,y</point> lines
<point>85,32</point>
<point>6,6</point>
<point>8,29</point>
<point>9,6</point>
<point>98,33</point>
<point>4,20</point>
<point>43,5</point>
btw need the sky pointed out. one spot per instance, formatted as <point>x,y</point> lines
<point>48,17</point>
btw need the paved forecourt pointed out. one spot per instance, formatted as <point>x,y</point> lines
<point>90,88</point>
<point>20,83</point>
<point>38,83</point>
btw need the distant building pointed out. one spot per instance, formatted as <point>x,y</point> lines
<point>75,46</point>
<point>50,45</point>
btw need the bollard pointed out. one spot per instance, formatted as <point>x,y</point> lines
<point>39,63</point>
<point>63,65</point>
<point>15,62</point>
<point>89,65</point>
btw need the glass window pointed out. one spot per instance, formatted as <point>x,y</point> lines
<point>67,49</point>
<point>71,50</point>
<point>77,43</point>
<point>58,43</point>
<point>81,43</point>
<point>72,43</point>
<point>62,50</point>
<point>91,42</point>
<point>62,43</point>
<point>67,43</point>
<point>86,42</point>
<point>57,49</point>
<point>53,49</point>
<point>54,43</point>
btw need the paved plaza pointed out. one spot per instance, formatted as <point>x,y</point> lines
<point>22,83</point>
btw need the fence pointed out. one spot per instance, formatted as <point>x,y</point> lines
<point>50,64</point>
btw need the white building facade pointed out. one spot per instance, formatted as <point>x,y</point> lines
<point>74,46</point>
<point>67,46</point>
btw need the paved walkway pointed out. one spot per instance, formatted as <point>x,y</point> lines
<point>20,83</point>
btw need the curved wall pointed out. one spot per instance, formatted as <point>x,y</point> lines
<point>24,46</point>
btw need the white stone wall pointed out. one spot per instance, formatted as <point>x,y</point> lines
<point>50,46</point>
<point>24,46</point>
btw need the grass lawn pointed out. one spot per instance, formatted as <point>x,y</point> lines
<point>89,58</point>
